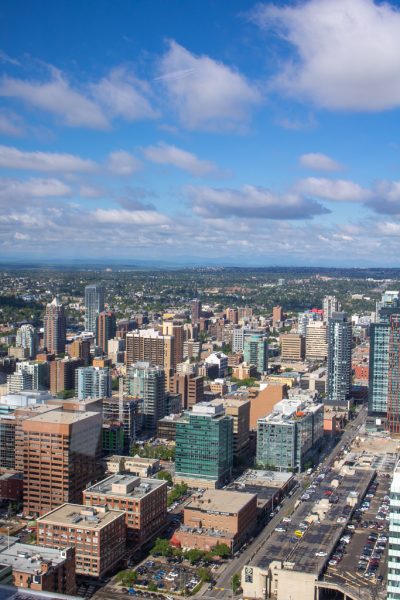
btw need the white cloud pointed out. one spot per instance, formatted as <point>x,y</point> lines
<point>251,202</point>
<point>127,217</point>
<point>182,159</point>
<point>121,162</point>
<point>347,52</point>
<point>92,191</point>
<point>123,95</point>
<point>12,189</point>
<point>10,124</point>
<point>319,162</point>
<point>205,93</point>
<point>12,158</point>
<point>337,190</point>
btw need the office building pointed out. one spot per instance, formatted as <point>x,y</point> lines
<point>39,371</point>
<point>148,383</point>
<point>393,398</point>
<point>195,309</point>
<point>256,352</point>
<point>19,382</point>
<point>219,360</point>
<point>131,416</point>
<point>316,341</point>
<point>80,348</point>
<point>293,347</point>
<point>287,437</point>
<point>27,338</point>
<point>237,339</point>
<point>113,437</point>
<point>62,373</point>
<point>389,300</point>
<point>239,410</point>
<point>62,450</point>
<point>232,315</point>
<point>106,328</point>
<point>189,386</point>
<point>94,305</point>
<point>330,305</point>
<point>93,382</point>
<point>277,315</point>
<point>37,568</point>
<point>151,346</point>
<point>7,442</point>
<point>176,330</point>
<point>144,502</point>
<point>339,359</point>
<point>393,577</point>
<point>204,446</point>
<point>97,534</point>
<point>55,326</point>
<point>217,517</point>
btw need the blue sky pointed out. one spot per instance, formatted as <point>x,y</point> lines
<point>233,132</point>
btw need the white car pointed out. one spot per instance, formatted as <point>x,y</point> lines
<point>321,554</point>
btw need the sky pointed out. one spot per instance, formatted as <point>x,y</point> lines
<point>201,132</point>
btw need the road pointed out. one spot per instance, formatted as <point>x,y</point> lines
<point>257,548</point>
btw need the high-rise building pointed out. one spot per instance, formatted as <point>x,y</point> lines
<point>62,373</point>
<point>237,339</point>
<point>339,359</point>
<point>93,382</point>
<point>19,382</point>
<point>293,346</point>
<point>380,333</point>
<point>256,351</point>
<point>204,446</point>
<point>190,387</point>
<point>38,371</point>
<point>7,442</point>
<point>177,331</point>
<point>94,304</point>
<point>106,327</point>
<point>316,341</point>
<point>62,451</point>
<point>195,307</point>
<point>80,348</point>
<point>393,398</point>
<point>27,338</point>
<point>147,382</point>
<point>131,417</point>
<point>232,315</point>
<point>393,578</point>
<point>277,314</point>
<point>239,410</point>
<point>55,326</point>
<point>151,346</point>
<point>330,305</point>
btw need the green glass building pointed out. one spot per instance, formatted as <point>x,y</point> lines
<point>204,444</point>
<point>255,352</point>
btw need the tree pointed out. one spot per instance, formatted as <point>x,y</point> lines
<point>152,587</point>
<point>194,555</point>
<point>115,384</point>
<point>235,582</point>
<point>165,475</point>
<point>65,394</point>
<point>127,578</point>
<point>204,574</point>
<point>221,550</point>
<point>162,547</point>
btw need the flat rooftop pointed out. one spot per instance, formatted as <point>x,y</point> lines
<point>64,417</point>
<point>221,501</point>
<point>125,485</point>
<point>26,557</point>
<point>78,515</point>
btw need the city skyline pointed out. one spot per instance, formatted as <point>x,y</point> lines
<point>237,133</point>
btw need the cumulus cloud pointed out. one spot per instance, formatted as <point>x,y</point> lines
<point>319,162</point>
<point>251,202</point>
<point>121,162</point>
<point>206,94</point>
<point>13,189</point>
<point>346,52</point>
<point>335,190</point>
<point>166,154</point>
<point>12,158</point>
<point>132,217</point>
<point>93,105</point>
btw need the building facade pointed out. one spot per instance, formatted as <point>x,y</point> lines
<point>94,304</point>
<point>393,577</point>
<point>256,352</point>
<point>93,382</point>
<point>339,359</point>
<point>106,328</point>
<point>55,327</point>
<point>148,383</point>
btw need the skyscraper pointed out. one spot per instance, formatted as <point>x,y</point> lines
<point>150,346</point>
<point>106,328</point>
<point>393,398</point>
<point>339,359</point>
<point>195,308</point>
<point>94,304</point>
<point>92,382</point>
<point>27,338</point>
<point>147,382</point>
<point>330,305</point>
<point>55,325</point>
<point>256,351</point>
<point>393,579</point>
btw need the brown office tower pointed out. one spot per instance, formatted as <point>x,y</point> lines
<point>189,386</point>
<point>62,374</point>
<point>150,346</point>
<point>80,349</point>
<point>232,314</point>
<point>176,330</point>
<point>62,451</point>
<point>106,329</point>
<point>195,307</point>
<point>55,326</point>
<point>293,346</point>
<point>277,314</point>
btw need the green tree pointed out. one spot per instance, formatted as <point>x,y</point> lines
<point>127,578</point>
<point>204,574</point>
<point>162,547</point>
<point>165,475</point>
<point>152,587</point>
<point>221,550</point>
<point>65,394</point>
<point>194,555</point>
<point>115,384</point>
<point>235,582</point>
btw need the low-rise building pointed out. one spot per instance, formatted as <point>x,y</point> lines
<point>217,517</point>
<point>141,467</point>
<point>98,535</point>
<point>143,500</point>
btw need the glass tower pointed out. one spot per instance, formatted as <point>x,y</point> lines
<point>393,578</point>
<point>339,359</point>
<point>94,304</point>
<point>256,352</point>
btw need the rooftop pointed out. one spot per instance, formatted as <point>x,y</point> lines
<point>26,557</point>
<point>62,417</point>
<point>81,516</point>
<point>125,485</point>
<point>220,501</point>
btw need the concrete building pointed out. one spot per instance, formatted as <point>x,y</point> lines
<point>277,315</point>
<point>195,308</point>
<point>218,360</point>
<point>263,401</point>
<point>166,427</point>
<point>27,338</point>
<point>39,371</point>
<point>393,580</point>
<point>316,341</point>
<point>176,330</point>
<point>217,517</point>
<point>147,382</point>
<point>19,382</point>
<point>238,339</point>
<point>189,386</point>
<point>204,446</point>
<point>339,359</point>
<point>143,500</point>
<point>62,451</point>
<point>80,349</point>
<point>106,329</point>
<point>55,326</point>
<point>393,398</point>
<point>93,382</point>
<point>330,305</point>
<point>38,568</point>
<point>131,416</point>
<point>293,347</point>
<point>239,410</point>
<point>62,373</point>
<point>136,465</point>
<point>94,305</point>
<point>97,534</point>
<point>287,436</point>
<point>7,442</point>
<point>149,345</point>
